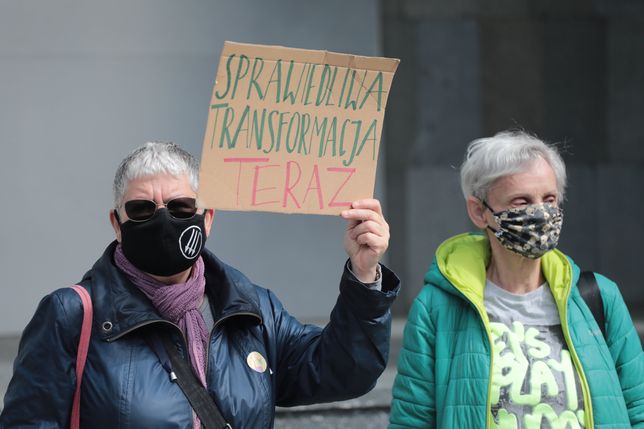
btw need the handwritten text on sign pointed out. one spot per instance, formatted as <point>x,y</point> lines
<point>293,130</point>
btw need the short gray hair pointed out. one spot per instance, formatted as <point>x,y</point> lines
<point>154,158</point>
<point>508,152</point>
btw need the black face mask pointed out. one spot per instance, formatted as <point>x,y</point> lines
<point>163,245</point>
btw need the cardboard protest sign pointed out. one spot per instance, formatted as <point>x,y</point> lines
<point>293,130</point>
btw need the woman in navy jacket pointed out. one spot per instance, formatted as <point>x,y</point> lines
<point>255,355</point>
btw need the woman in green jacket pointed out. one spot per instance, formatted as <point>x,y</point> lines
<point>500,337</point>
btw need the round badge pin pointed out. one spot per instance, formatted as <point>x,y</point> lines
<point>256,362</point>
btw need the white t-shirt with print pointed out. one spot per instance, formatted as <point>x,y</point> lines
<point>534,382</point>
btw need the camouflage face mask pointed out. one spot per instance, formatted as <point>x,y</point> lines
<point>529,231</point>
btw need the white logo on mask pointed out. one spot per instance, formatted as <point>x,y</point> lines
<point>190,242</point>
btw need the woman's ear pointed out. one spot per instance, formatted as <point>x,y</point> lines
<point>476,212</point>
<point>115,224</point>
<point>209,215</point>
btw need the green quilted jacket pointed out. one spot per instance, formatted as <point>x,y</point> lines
<point>443,378</point>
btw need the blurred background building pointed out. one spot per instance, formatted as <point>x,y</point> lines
<point>570,71</point>
<point>84,82</point>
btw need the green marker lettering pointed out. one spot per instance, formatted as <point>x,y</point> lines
<point>377,82</point>
<point>258,128</point>
<point>348,101</point>
<point>288,94</point>
<point>271,130</point>
<point>290,148</point>
<point>225,134</point>
<point>228,71</point>
<point>344,85</point>
<point>356,136</point>
<point>216,108</point>
<point>253,79</point>
<point>343,129</point>
<point>309,85</point>
<point>319,129</point>
<point>354,102</point>
<point>244,63</point>
<point>307,70</point>
<point>277,80</point>
<point>282,122</point>
<point>328,101</point>
<point>332,134</point>
<point>304,129</point>
<point>323,88</point>
<point>371,131</point>
<point>244,120</point>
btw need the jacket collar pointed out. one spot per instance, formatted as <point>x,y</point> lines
<point>120,307</point>
<point>460,265</point>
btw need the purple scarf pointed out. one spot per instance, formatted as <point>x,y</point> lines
<point>178,303</point>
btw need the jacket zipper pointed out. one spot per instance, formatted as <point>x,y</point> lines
<point>216,324</point>
<point>140,325</point>
<point>488,405</point>
<point>588,406</point>
<point>185,341</point>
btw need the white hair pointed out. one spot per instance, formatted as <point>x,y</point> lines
<point>508,152</point>
<point>154,158</point>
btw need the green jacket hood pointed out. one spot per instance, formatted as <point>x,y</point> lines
<point>460,263</point>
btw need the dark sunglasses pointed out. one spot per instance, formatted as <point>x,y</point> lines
<point>142,210</point>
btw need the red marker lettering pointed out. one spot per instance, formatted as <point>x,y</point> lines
<point>333,202</point>
<point>315,175</point>
<point>288,188</point>
<point>257,190</point>
<point>243,161</point>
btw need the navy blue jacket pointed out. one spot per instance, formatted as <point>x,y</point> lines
<point>125,386</point>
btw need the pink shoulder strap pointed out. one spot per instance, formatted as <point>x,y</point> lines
<point>83,346</point>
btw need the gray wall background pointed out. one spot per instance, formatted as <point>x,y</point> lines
<point>84,82</point>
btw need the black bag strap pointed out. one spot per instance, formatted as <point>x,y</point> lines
<point>181,373</point>
<point>589,290</point>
